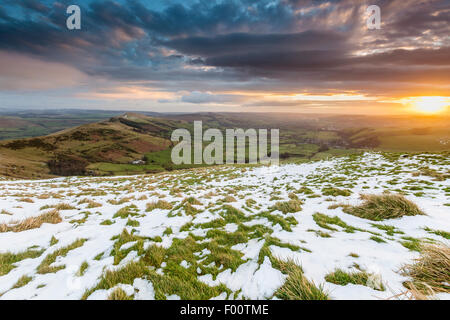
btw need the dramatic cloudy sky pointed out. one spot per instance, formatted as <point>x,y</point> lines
<point>229,55</point>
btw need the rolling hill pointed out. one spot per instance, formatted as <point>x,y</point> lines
<point>119,140</point>
<point>110,146</point>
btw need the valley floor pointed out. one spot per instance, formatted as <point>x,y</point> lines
<point>220,232</point>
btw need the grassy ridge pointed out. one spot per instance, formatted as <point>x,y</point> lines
<point>108,147</point>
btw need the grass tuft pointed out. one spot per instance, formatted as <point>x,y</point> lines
<point>83,269</point>
<point>91,203</point>
<point>127,211</point>
<point>381,207</point>
<point>160,204</point>
<point>6,212</point>
<point>23,281</point>
<point>64,206</point>
<point>430,273</point>
<point>296,286</point>
<point>290,206</point>
<point>8,259</point>
<point>52,217</point>
<point>119,294</point>
<point>331,191</point>
<point>45,266</point>
<point>343,278</point>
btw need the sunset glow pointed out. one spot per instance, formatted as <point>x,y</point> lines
<point>429,105</point>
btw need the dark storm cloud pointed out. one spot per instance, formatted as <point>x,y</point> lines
<point>242,43</point>
<point>289,43</point>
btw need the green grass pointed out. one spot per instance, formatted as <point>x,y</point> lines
<point>411,243</point>
<point>53,241</point>
<point>390,230</point>
<point>83,219</point>
<point>127,211</point>
<point>331,191</point>
<point>124,275</point>
<point>290,206</point>
<point>91,204</point>
<point>272,241</point>
<point>296,286</point>
<point>377,239</point>
<point>83,269</point>
<point>176,279</point>
<point>133,223</point>
<point>154,256</point>
<point>120,240</point>
<point>320,233</point>
<point>326,222</point>
<point>232,215</point>
<point>45,266</point>
<point>285,222</point>
<point>229,199</point>
<point>441,233</point>
<point>119,294</point>
<point>8,259</point>
<point>305,190</point>
<point>23,281</point>
<point>382,207</point>
<point>216,223</point>
<point>225,238</point>
<point>160,204</point>
<point>106,222</point>
<point>343,278</point>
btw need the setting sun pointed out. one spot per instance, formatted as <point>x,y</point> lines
<point>429,105</point>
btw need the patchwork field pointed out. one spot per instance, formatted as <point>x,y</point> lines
<point>347,228</point>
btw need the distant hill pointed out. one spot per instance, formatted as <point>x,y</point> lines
<point>132,142</point>
<point>119,140</point>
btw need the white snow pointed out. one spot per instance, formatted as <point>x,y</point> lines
<point>253,280</point>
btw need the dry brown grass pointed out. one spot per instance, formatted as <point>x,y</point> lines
<point>209,195</point>
<point>385,206</point>
<point>52,217</point>
<point>290,206</point>
<point>430,273</point>
<point>49,195</point>
<point>91,203</point>
<point>120,201</point>
<point>6,212</point>
<point>119,294</point>
<point>64,206</point>
<point>160,204</point>
<point>229,199</point>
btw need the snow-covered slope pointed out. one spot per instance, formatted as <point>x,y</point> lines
<point>225,252</point>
